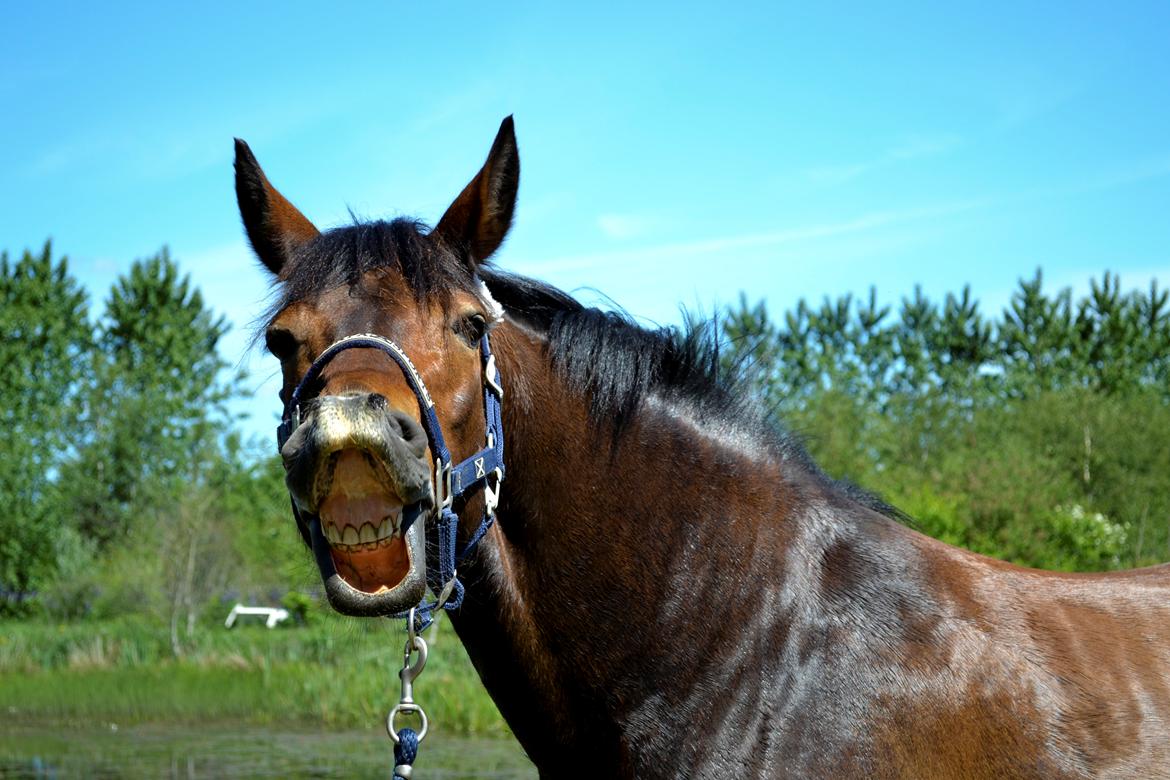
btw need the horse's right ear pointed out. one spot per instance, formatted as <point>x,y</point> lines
<point>274,225</point>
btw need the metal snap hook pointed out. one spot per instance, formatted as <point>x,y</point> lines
<point>408,673</point>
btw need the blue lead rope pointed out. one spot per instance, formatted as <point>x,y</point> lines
<point>405,752</point>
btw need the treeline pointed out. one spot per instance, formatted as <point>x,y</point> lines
<point>1040,434</point>
<point>125,485</point>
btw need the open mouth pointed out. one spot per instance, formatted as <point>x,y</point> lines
<point>368,543</point>
<point>362,520</point>
<point>361,480</point>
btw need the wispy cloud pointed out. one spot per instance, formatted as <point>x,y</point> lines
<point>1023,98</point>
<point>468,100</point>
<point>52,161</point>
<point>1132,172</point>
<point>1114,176</point>
<point>911,148</point>
<point>180,143</point>
<point>625,226</point>
<point>809,233</point>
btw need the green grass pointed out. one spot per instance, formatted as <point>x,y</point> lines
<point>336,673</point>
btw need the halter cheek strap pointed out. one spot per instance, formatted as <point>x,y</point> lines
<point>451,481</point>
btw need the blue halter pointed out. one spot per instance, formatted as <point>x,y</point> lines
<point>451,481</point>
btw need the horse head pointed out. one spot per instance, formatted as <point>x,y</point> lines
<point>359,458</point>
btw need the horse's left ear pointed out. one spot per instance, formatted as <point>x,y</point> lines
<point>480,217</point>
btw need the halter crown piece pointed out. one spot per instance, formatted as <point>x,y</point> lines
<point>451,481</point>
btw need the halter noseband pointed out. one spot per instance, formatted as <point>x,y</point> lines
<point>450,481</point>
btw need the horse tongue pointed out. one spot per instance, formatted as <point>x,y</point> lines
<point>371,571</point>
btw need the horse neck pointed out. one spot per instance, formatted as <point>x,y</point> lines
<point>615,563</point>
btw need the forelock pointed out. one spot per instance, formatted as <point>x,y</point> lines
<point>342,256</point>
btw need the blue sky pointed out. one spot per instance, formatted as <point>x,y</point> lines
<point>671,153</point>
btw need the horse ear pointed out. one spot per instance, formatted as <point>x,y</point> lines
<point>274,225</point>
<point>480,217</point>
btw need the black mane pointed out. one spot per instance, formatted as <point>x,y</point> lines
<point>604,355</point>
<point>616,363</point>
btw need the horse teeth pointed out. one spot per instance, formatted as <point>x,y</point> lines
<point>367,537</point>
<point>331,533</point>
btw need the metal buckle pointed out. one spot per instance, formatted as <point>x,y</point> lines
<point>491,496</point>
<point>443,495</point>
<point>445,593</point>
<point>489,376</point>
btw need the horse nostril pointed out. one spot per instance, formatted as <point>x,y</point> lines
<point>412,433</point>
<point>377,401</point>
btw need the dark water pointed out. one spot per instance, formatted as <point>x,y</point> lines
<point>32,750</point>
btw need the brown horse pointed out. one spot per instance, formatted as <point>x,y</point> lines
<point>672,588</point>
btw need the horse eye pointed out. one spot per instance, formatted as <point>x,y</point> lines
<point>471,328</point>
<point>281,343</point>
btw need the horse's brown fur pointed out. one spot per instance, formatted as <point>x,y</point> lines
<point>685,595</point>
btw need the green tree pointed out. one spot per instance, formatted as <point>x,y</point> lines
<point>159,399</point>
<point>44,352</point>
<point>1038,436</point>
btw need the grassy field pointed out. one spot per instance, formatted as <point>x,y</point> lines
<point>337,673</point>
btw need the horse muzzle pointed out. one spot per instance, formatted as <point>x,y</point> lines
<point>360,474</point>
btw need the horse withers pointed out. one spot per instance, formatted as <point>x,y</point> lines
<point>671,587</point>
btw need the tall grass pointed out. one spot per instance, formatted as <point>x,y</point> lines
<point>337,673</point>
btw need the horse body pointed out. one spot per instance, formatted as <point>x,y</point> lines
<point>632,620</point>
<point>671,587</point>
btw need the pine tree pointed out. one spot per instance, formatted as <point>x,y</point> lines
<point>1037,436</point>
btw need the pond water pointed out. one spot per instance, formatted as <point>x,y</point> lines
<point>47,750</point>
